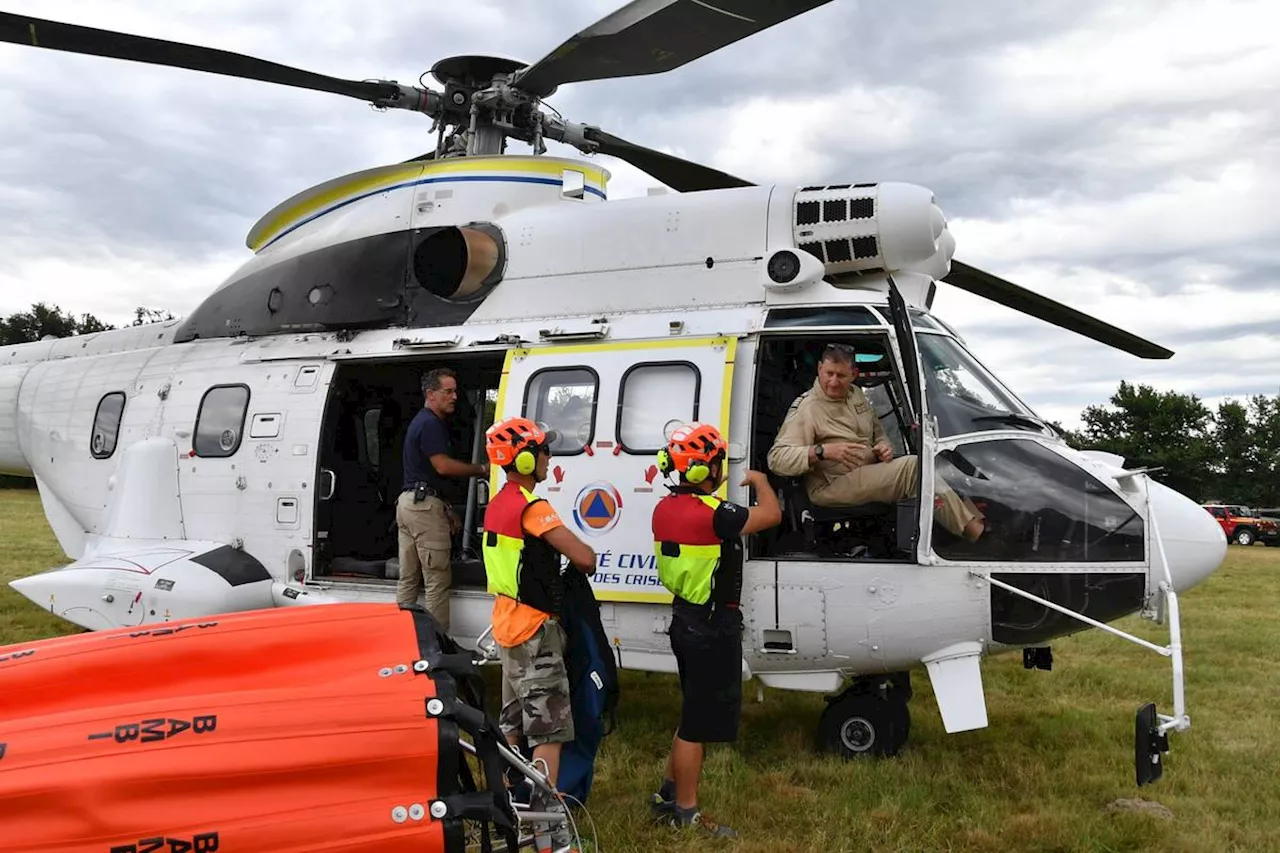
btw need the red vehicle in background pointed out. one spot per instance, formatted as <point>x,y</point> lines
<point>1243,526</point>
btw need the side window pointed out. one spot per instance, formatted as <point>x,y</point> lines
<point>651,395</point>
<point>564,399</point>
<point>220,421</point>
<point>106,425</point>
<point>1042,508</point>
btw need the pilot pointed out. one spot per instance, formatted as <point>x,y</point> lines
<point>524,539</point>
<point>424,517</point>
<point>833,437</point>
<point>697,541</point>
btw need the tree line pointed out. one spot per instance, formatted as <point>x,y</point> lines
<point>1227,455</point>
<point>42,321</point>
<point>1230,455</point>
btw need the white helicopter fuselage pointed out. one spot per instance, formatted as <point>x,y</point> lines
<point>191,473</point>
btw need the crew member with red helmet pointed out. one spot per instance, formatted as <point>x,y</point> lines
<point>697,541</point>
<point>524,539</point>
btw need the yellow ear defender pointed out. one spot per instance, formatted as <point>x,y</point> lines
<point>697,472</point>
<point>665,465</point>
<point>526,461</point>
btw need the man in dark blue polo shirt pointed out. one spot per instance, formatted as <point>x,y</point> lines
<point>423,515</point>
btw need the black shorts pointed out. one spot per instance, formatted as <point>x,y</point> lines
<point>709,657</point>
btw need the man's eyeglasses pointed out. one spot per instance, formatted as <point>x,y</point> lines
<point>843,349</point>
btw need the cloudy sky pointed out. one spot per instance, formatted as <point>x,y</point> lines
<point>1115,156</point>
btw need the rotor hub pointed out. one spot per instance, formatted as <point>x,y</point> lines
<point>474,72</point>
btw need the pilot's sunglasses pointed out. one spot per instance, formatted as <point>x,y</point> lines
<point>840,348</point>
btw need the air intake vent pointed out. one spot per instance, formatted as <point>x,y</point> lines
<point>865,227</point>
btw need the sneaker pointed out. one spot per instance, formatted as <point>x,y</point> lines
<point>660,808</point>
<point>702,822</point>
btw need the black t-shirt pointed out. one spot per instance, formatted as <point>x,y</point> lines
<point>425,437</point>
<point>728,521</point>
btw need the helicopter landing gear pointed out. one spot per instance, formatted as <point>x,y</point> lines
<point>869,718</point>
<point>1037,657</point>
<point>1150,742</point>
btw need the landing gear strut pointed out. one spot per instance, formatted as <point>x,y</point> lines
<point>869,718</point>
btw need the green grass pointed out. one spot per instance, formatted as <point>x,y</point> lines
<point>27,546</point>
<point>1039,778</point>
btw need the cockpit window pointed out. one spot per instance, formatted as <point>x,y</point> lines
<point>1039,507</point>
<point>921,320</point>
<point>963,396</point>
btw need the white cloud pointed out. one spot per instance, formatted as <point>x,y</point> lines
<point>1138,54</point>
<point>793,138</point>
<point>110,286</point>
<point>1182,215</point>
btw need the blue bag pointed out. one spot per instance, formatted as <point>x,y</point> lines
<point>593,685</point>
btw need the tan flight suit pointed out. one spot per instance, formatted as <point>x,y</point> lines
<point>425,547</point>
<point>815,419</point>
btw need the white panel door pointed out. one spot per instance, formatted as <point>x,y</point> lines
<point>611,402</point>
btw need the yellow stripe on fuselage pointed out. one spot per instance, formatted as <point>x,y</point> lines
<point>323,196</point>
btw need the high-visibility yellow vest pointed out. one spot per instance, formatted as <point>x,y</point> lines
<point>517,565</point>
<point>686,546</point>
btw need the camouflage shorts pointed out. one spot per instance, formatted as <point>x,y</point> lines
<point>535,688</point>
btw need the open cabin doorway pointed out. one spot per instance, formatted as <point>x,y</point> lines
<point>787,367</point>
<point>369,409</point>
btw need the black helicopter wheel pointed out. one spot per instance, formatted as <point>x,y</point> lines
<point>859,724</point>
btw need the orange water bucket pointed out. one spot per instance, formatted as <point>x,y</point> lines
<point>329,727</point>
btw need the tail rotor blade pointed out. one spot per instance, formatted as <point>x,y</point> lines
<point>1010,295</point>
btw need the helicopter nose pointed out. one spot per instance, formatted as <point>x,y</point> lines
<point>1194,543</point>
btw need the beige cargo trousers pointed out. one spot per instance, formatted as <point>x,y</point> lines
<point>425,546</point>
<point>886,482</point>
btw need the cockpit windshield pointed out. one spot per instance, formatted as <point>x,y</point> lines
<point>963,396</point>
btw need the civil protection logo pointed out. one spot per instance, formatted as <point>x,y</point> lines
<point>597,508</point>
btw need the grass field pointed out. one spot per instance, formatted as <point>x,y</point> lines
<point>1058,749</point>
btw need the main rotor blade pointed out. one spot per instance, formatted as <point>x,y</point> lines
<point>1018,298</point>
<point>652,36</point>
<point>53,35</point>
<point>681,175</point>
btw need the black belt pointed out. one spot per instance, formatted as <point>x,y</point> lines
<point>429,491</point>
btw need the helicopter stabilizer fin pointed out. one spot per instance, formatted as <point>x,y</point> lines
<point>957,685</point>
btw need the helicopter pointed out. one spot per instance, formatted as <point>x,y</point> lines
<point>246,456</point>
